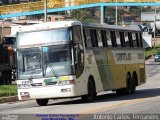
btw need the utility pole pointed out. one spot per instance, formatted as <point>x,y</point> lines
<point>102,9</point>
<point>116,13</point>
<point>155,12</point>
<point>45,10</point>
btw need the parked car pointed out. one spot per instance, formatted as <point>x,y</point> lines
<point>157,57</point>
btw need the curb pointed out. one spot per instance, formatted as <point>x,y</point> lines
<point>148,57</point>
<point>8,99</point>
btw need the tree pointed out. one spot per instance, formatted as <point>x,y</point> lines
<point>135,10</point>
<point>82,15</point>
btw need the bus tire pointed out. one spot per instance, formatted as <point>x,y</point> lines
<point>129,83</point>
<point>134,80</point>
<point>42,102</point>
<point>120,91</point>
<point>91,92</point>
<point>128,89</point>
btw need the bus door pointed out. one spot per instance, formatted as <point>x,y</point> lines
<point>78,51</point>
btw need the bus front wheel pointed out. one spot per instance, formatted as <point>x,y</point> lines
<point>91,92</point>
<point>42,102</point>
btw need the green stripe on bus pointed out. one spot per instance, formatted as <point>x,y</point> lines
<point>104,69</point>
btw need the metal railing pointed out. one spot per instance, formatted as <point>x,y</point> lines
<point>39,5</point>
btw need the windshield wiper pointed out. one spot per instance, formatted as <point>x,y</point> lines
<point>53,71</point>
<point>35,69</point>
<point>48,65</point>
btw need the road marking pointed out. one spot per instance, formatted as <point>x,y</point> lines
<point>114,105</point>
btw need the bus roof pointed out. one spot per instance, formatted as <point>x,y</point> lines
<point>112,27</point>
<point>50,25</point>
<point>69,23</point>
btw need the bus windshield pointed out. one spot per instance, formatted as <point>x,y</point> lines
<point>29,63</point>
<point>46,61</point>
<point>57,60</point>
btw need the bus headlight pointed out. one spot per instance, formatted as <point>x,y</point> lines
<point>66,82</point>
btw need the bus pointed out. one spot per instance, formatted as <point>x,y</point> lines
<point>66,59</point>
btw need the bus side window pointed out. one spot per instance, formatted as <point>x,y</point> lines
<point>137,39</point>
<point>108,39</point>
<point>126,40</point>
<point>77,36</point>
<point>134,38</point>
<point>122,39</point>
<point>85,38</point>
<point>140,39</point>
<point>88,37</point>
<point>118,39</point>
<point>130,39</point>
<point>99,38</point>
<point>94,40</point>
<point>113,39</point>
<point>104,38</point>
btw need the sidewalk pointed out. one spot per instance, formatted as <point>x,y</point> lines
<point>149,60</point>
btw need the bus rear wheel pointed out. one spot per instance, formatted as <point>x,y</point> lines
<point>42,102</point>
<point>134,80</point>
<point>128,89</point>
<point>91,92</point>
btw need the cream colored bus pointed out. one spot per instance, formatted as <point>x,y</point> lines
<point>66,59</point>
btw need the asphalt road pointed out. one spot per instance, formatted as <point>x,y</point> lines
<point>144,101</point>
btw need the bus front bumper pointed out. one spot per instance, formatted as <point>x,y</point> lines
<point>47,92</point>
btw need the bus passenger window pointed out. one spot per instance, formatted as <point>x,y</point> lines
<point>118,39</point>
<point>113,39</point>
<point>88,37</point>
<point>108,39</point>
<point>140,39</point>
<point>122,39</point>
<point>84,35</point>
<point>134,38</point>
<point>77,34</point>
<point>126,40</point>
<point>94,38</point>
<point>137,39</point>
<point>99,37</point>
<point>130,39</point>
<point>104,38</point>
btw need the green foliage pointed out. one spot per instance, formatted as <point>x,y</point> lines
<point>110,11</point>
<point>8,90</point>
<point>82,15</point>
<point>152,51</point>
<point>136,11</point>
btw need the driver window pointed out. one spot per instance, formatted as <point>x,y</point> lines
<point>78,50</point>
